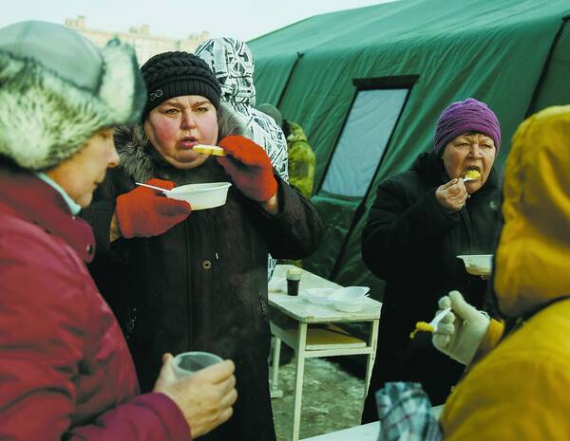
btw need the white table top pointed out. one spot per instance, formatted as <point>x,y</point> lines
<point>305,312</point>
<point>366,432</point>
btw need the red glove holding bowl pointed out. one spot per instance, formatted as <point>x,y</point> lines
<point>249,167</point>
<point>144,212</point>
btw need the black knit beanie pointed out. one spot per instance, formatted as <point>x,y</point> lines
<point>172,74</point>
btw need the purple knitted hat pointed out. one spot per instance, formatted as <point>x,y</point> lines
<point>466,116</point>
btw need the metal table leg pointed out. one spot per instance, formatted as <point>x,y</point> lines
<point>372,342</point>
<point>275,391</point>
<point>301,342</point>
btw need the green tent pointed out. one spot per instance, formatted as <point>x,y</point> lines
<point>368,84</point>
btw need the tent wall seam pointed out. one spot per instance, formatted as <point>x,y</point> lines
<point>282,95</point>
<point>543,75</point>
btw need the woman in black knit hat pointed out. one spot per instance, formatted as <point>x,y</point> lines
<point>181,279</point>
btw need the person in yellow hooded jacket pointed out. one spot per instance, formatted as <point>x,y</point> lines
<point>518,381</point>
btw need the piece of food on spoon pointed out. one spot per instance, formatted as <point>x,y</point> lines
<point>209,150</point>
<point>431,326</point>
<point>422,326</point>
<point>473,174</point>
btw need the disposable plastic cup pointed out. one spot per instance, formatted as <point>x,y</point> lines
<point>188,363</point>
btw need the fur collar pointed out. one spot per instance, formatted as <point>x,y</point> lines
<point>140,161</point>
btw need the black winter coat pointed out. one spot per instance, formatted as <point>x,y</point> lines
<point>412,242</point>
<point>202,285</point>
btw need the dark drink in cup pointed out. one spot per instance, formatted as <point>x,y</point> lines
<point>293,280</point>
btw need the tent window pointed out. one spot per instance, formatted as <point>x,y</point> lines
<point>364,138</point>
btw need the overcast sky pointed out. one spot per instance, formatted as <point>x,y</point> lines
<point>242,19</point>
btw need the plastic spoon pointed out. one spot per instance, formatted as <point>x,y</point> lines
<point>164,190</point>
<point>439,317</point>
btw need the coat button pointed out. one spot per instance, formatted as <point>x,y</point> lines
<point>206,264</point>
<point>89,249</point>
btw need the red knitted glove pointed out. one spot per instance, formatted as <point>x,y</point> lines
<point>144,212</point>
<point>249,167</point>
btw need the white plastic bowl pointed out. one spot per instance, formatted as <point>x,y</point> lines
<point>350,305</point>
<point>318,296</point>
<point>349,299</point>
<point>478,264</point>
<point>201,196</point>
<point>350,293</point>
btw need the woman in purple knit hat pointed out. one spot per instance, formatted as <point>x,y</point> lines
<point>445,205</point>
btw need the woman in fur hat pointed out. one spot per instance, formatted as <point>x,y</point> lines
<point>65,369</point>
<point>181,279</point>
<point>420,221</point>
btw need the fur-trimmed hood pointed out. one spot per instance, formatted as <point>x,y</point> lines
<point>140,160</point>
<point>57,89</point>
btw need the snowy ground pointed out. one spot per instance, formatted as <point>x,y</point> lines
<point>332,399</point>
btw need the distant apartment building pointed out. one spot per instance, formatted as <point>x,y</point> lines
<point>145,44</point>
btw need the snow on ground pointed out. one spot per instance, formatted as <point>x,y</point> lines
<point>332,399</point>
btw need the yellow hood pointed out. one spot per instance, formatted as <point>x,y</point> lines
<point>533,257</point>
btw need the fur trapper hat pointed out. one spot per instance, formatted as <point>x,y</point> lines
<point>57,89</point>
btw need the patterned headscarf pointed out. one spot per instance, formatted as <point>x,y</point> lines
<point>231,61</point>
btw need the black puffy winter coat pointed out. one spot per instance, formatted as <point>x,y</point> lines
<point>411,242</point>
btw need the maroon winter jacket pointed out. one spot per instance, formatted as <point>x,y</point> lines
<point>65,371</point>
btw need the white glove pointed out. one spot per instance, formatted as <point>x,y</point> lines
<point>460,338</point>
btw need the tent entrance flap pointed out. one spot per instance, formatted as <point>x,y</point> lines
<point>365,136</point>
